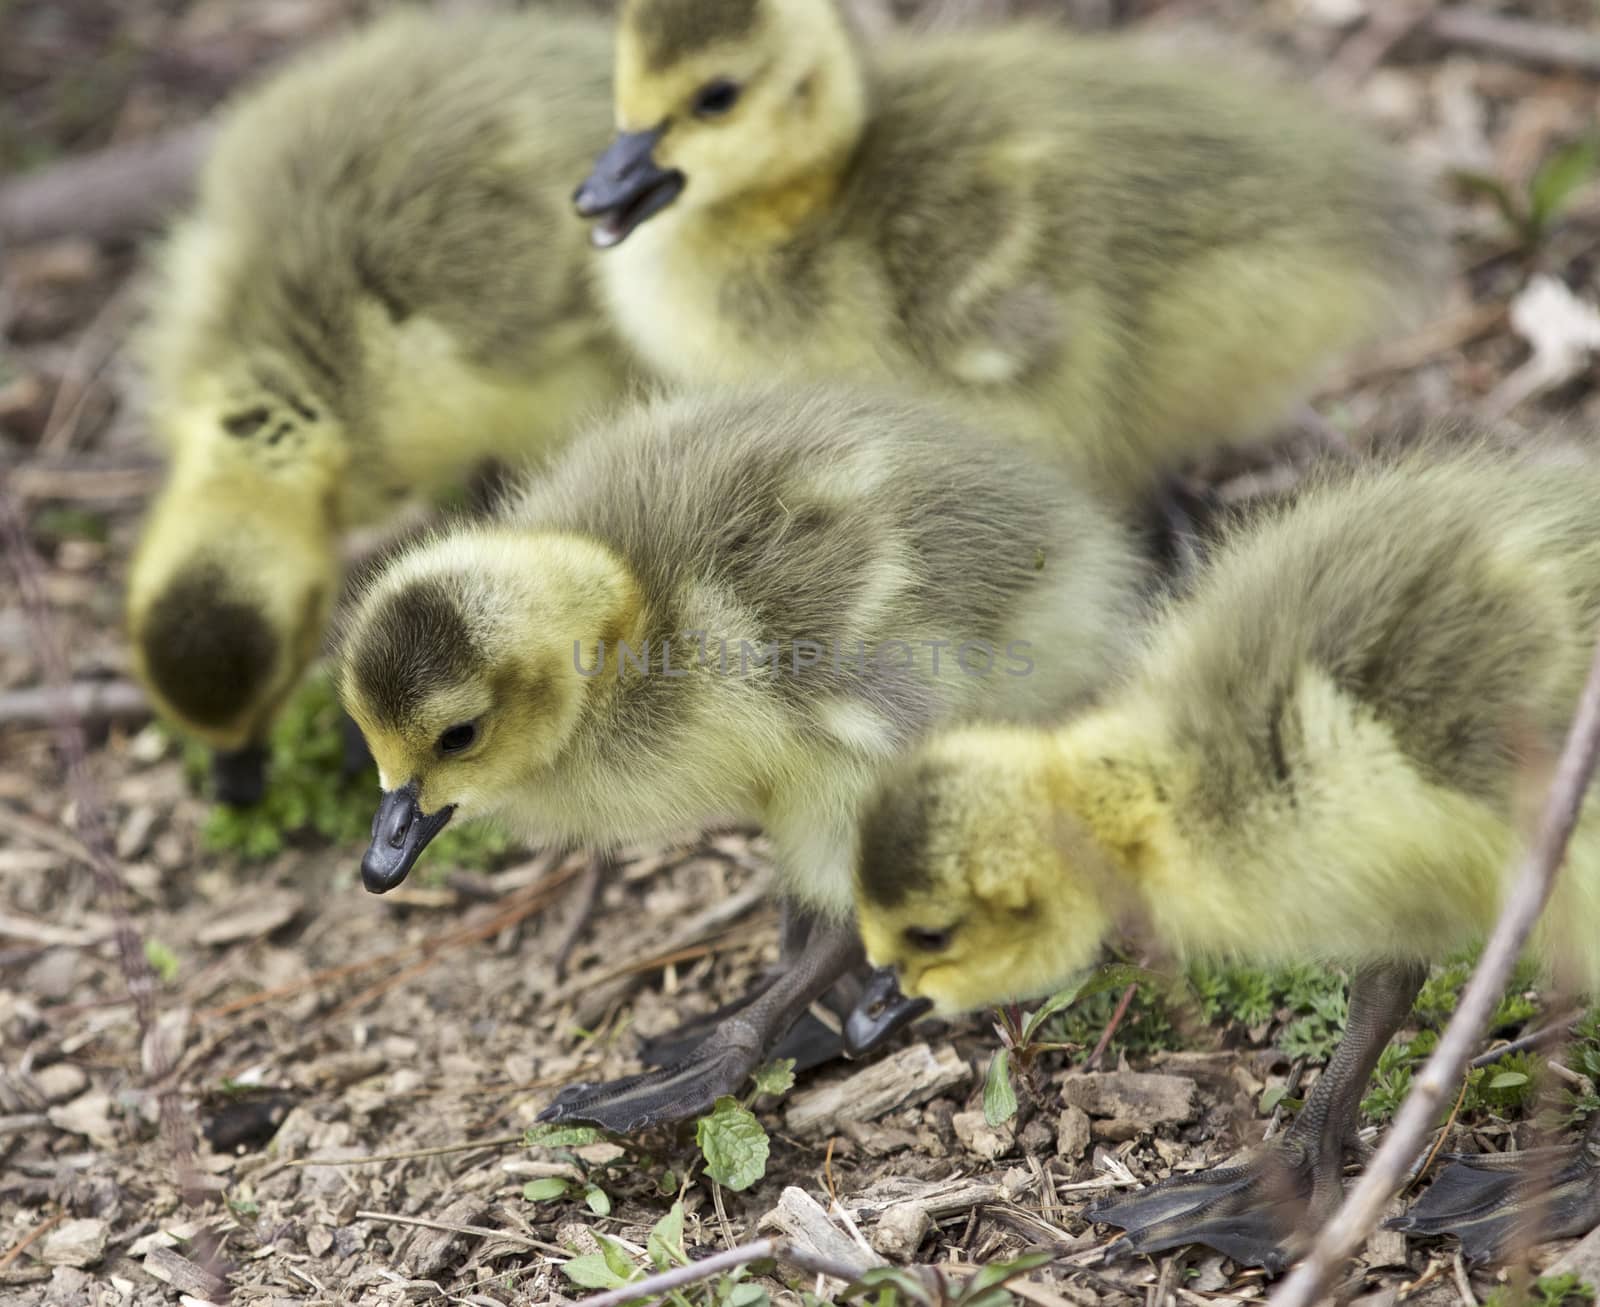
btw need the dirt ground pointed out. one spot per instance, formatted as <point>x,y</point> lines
<point>297,1017</point>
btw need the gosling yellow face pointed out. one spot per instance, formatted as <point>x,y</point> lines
<point>718,99</point>
<point>461,667</point>
<point>970,881</point>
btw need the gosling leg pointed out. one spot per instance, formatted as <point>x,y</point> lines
<point>1260,1211</point>
<point>813,1040</point>
<point>739,1044</point>
<point>1497,1204</point>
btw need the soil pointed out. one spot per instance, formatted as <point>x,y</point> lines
<point>158,1150</point>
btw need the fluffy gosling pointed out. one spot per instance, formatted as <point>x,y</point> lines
<point>729,606</point>
<point>381,286</point>
<point>1318,755</point>
<point>1137,257</point>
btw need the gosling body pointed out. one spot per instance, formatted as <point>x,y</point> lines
<point>728,607</point>
<point>1137,258</point>
<point>381,286</point>
<point>1319,755</point>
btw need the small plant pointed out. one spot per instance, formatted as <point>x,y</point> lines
<point>614,1267</point>
<point>1022,1036</point>
<point>163,961</point>
<point>1546,1291</point>
<point>893,1286</point>
<point>1533,214</point>
<point>732,1142</point>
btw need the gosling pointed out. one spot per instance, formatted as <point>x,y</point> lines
<point>1138,259</point>
<point>382,285</point>
<point>1317,755</point>
<point>729,606</point>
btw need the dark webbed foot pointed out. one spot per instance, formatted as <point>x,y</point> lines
<point>1253,1212</point>
<point>674,1093</point>
<point>751,1034</point>
<point>1499,1203</point>
<point>1260,1210</point>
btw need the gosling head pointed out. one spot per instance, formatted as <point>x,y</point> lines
<point>237,569</point>
<point>464,664</point>
<point>228,597</point>
<point>716,99</point>
<point>973,886</point>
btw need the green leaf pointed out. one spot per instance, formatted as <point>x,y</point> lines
<point>163,961</point>
<point>544,1189</point>
<point>1508,1080</point>
<point>995,1274</point>
<point>598,1200</point>
<point>999,1098</point>
<point>665,1244</point>
<point>1271,1097</point>
<point>1117,975</point>
<point>745,1295</point>
<point>1559,178</point>
<point>1484,184</point>
<point>560,1136</point>
<point>906,1286</point>
<point>617,1258</point>
<point>776,1077</point>
<point>733,1143</point>
<point>592,1271</point>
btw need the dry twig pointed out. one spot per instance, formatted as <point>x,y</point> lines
<point>779,1250</point>
<point>1547,44</point>
<point>1536,876</point>
<point>105,195</point>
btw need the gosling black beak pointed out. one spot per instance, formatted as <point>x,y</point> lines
<point>400,831</point>
<point>626,187</point>
<point>883,1009</point>
<point>239,776</point>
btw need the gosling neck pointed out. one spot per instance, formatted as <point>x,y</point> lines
<point>1107,778</point>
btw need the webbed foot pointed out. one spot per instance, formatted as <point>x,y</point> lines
<point>1261,1211</point>
<point>674,1093</point>
<point>1254,1212</point>
<point>755,1031</point>
<point>1497,1203</point>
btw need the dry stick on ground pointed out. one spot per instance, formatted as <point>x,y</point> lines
<point>177,1122</point>
<point>1547,44</point>
<point>1535,878</point>
<point>88,701</point>
<point>105,195</point>
<point>779,1250</point>
<point>1117,1014</point>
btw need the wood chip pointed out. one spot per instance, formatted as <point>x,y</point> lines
<point>910,1075</point>
<point>183,1275</point>
<point>265,912</point>
<point>801,1218</point>
<point>75,1243</point>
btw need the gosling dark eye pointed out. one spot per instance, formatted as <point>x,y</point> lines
<point>929,941</point>
<point>715,98</point>
<point>458,738</point>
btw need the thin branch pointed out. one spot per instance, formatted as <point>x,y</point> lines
<point>1549,45</point>
<point>89,701</point>
<point>1535,878</point>
<point>1117,1014</point>
<point>33,1235</point>
<point>778,1250</point>
<point>482,1231</point>
<point>1556,1031</point>
<point>106,195</point>
<point>410,1154</point>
